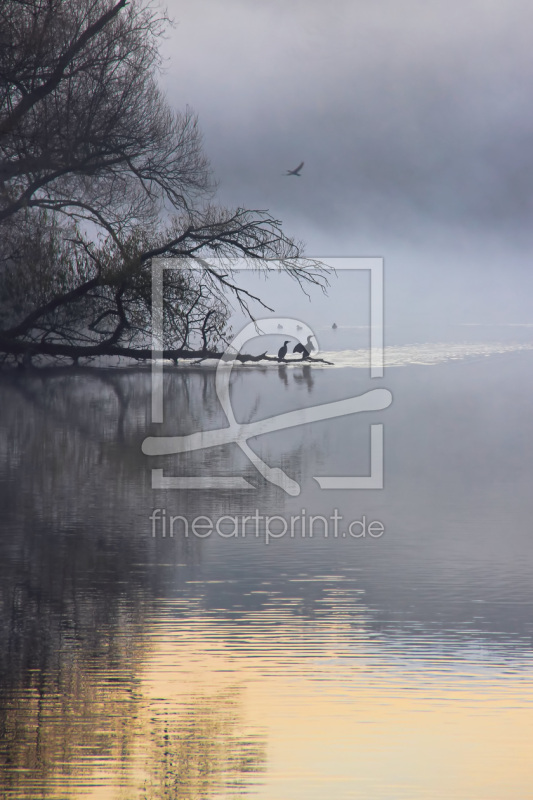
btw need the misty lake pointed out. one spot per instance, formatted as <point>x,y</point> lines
<point>210,665</point>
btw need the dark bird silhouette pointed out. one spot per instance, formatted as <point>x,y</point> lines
<point>304,349</point>
<point>301,349</point>
<point>282,352</point>
<point>295,171</point>
<point>334,326</point>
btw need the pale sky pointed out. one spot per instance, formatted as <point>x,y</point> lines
<point>415,123</point>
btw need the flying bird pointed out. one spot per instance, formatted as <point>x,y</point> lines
<point>282,352</point>
<point>295,171</point>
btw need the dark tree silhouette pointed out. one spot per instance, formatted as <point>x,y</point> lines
<point>98,175</point>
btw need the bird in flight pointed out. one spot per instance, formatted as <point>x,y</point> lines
<point>295,171</point>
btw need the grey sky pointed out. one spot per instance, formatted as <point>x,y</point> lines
<point>414,120</point>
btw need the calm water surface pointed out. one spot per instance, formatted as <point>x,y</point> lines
<point>141,666</point>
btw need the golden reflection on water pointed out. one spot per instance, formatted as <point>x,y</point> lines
<point>362,673</point>
<point>213,708</point>
<point>338,728</point>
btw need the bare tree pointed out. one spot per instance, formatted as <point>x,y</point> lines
<point>98,176</point>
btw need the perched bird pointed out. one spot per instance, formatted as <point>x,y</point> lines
<point>295,171</point>
<point>299,348</point>
<point>304,349</point>
<point>298,327</point>
<point>282,352</point>
<point>334,326</point>
<point>280,327</point>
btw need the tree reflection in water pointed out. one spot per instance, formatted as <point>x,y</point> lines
<point>199,753</point>
<point>79,581</point>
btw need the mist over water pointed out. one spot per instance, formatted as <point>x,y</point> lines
<point>224,665</point>
<point>150,659</point>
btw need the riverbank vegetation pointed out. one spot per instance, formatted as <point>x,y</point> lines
<point>99,176</point>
